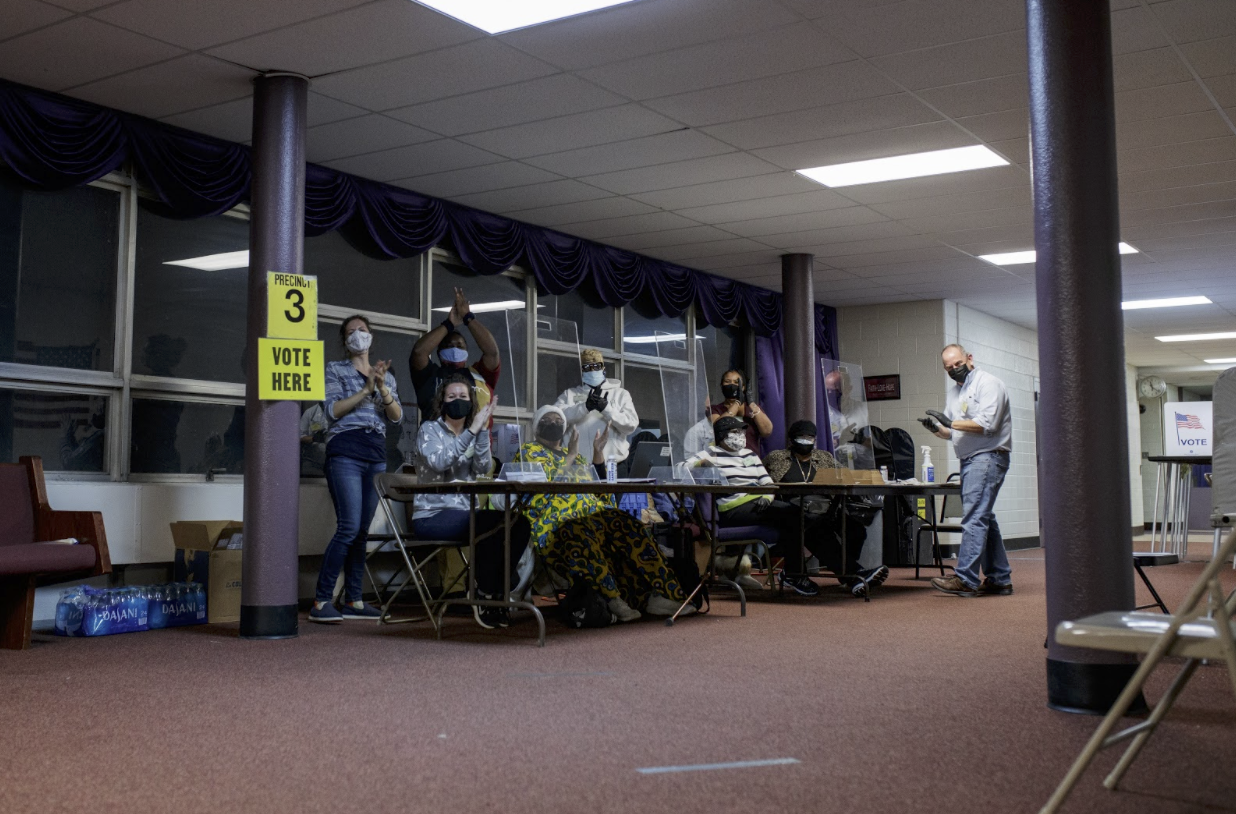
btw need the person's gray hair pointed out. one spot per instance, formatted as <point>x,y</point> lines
<point>954,345</point>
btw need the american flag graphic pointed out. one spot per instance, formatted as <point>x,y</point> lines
<point>33,410</point>
<point>1188,422</point>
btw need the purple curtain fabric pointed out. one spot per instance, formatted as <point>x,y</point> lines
<point>770,367</point>
<point>52,142</point>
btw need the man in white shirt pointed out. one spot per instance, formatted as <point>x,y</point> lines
<point>598,403</point>
<point>979,422</point>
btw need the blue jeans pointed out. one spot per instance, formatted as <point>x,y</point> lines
<point>452,524</point>
<point>351,488</point>
<point>982,547</point>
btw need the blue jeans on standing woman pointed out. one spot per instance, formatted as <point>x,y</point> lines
<point>351,488</point>
<point>982,547</point>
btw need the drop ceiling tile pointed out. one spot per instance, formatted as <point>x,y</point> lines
<point>77,51</point>
<point>1176,177</point>
<point>573,132</point>
<point>456,184</point>
<point>230,121</point>
<point>1148,69</point>
<point>1007,124</point>
<point>533,196</point>
<point>967,61</point>
<point>1015,150</point>
<point>1201,242</point>
<point>544,98</point>
<point>818,240</point>
<point>1178,214</point>
<point>738,189</point>
<point>957,204</point>
<point>862,146</point>
<point>846,118</point>
<point>1223,88</point>
<point>581,212</point>
<point>324,110</point>
<point>848,251</point>
<point>738,251</point>
<point>1011,92</point>
<point>365,35</point>
<point>1017,236</point>
<point>1181,196</point>
<point>1208,151</point>
<point>21,16</point>
<point>1192,20</point>
<point>181,84</point>
<point>635,224</point>
<point>805,221</point>
<point>647,27</point>
<point>210,22</point>
<point>671,237</point>
<point>764,53</point>
<point>1135,29</point>
<point>815,200</point>
<point>877,29</point>
<point>623,155</point>
<point>908,257</point>
<point>682,173</point>
<point>1169,130</point>
<point>418,159</point>
<point>1215,57</point>
<point>366,134</point>
<point>1158,102</point>
<point>1151,233</point>
<point>799,90</point>
<point>80,5</point>
<point>450,71</point>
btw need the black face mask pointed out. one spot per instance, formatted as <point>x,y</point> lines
<point>958,374</point>
<point>459,408</point>
<point>551,431</point>
<point>731,391</point>
<point>802,449</point>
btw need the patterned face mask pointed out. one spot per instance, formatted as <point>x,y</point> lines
<point>735,441</point>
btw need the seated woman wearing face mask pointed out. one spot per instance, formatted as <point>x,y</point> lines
<point>586,538</point>
<point>799,464</point>
<point>361,398</point>
<point>453,444</point>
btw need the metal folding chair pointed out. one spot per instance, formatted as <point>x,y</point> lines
<point>1201,629</point>
<point>935,526</point>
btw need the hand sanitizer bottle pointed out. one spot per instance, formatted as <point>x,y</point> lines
<point>929,471</point>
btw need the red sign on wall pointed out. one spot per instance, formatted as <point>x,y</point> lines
<point>882,388</point>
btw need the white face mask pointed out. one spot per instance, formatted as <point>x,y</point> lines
<point>359,341</point>
<point>735,441</point>
<point>594,377</point>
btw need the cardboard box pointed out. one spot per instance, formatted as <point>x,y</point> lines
<point>197,560</point>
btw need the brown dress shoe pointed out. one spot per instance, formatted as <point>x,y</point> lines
<point>952,584</point>
<point>991,588</point>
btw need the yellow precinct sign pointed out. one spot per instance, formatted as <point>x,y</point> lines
<point>291,306</point>
<point>291,370</point>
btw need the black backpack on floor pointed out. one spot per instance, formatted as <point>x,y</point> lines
<point>581,606</point>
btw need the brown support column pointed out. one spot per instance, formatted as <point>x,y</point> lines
<point>798,330</point>
<point>268,607</point>
<point>1083,442</point>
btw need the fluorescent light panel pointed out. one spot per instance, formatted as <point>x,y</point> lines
<point>1197,337</point>
<point>1231,361</point>
<point>484,307</point>
<point>214,262</point>
<point>1020,258</point>
<point>899,167</point>
<point>1169,302</point>
<point>497,16</point>
<point>648,340</point>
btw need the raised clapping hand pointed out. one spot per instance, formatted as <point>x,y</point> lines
<point>462,307</point>
<point>571,441</point>
<point>596,400</point>
<point>377,375</point>
<point>598,444</point>
<point>481,420</point>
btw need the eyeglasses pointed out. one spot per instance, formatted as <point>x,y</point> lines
<point>591,366</point>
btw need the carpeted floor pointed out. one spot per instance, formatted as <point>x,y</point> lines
<point>914,702</point>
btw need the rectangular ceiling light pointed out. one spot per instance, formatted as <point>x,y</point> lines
<point>1170,302</point>
<point>1019,258</point>
<point>484,307</point>
<point>1197,337</point>
<point>1231,361</point>
<point>649,340</point>
<point>898,167</point>
<point>214,262</point>
<point>498,16</point>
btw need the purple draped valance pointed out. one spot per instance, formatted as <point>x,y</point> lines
<point>54,142</point>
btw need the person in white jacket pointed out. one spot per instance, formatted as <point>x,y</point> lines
<point>597,402</point>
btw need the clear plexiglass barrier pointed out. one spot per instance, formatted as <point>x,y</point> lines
<point>678,473</point>
<point>708,474</point>
<point>523,473</point>
<point>847,415</point>
<point>576,473</point>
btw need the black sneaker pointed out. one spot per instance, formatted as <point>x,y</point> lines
<point>860,589</point>
<point>803,586</point>
<point>990,588</point>
<point>874,577</point>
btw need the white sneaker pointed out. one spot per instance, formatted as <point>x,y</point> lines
<point>622,610</point>
<point>661,606</point>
